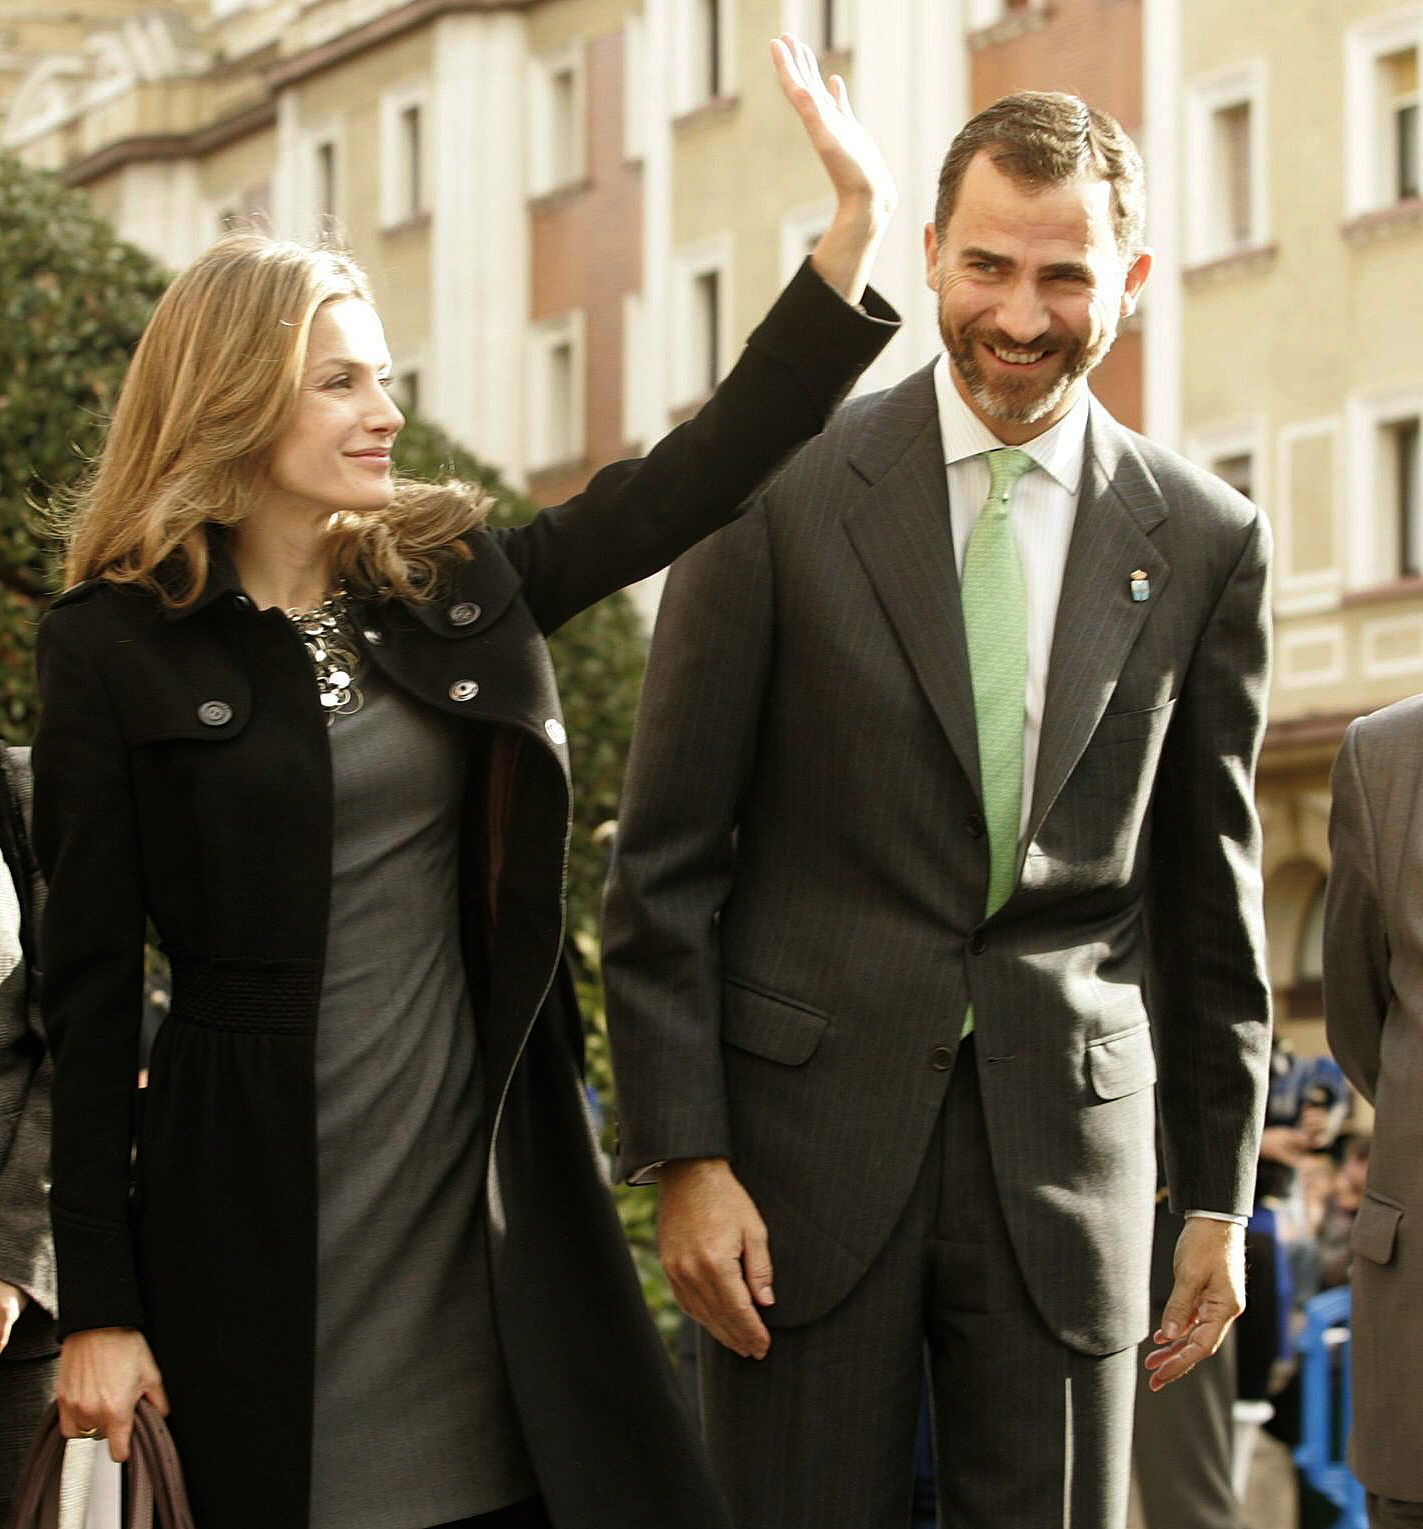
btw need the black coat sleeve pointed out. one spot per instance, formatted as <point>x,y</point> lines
<point>1210,995</point>
<point>91,951</point>
<point>636,517</point>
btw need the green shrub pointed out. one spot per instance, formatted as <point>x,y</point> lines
<point>73,301</point>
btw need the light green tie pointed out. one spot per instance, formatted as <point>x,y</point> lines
<point>995,618</point>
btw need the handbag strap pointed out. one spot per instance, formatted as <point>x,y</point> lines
<point>36,1501</point>
<point>156,1487</point>
<point>156,1493</point>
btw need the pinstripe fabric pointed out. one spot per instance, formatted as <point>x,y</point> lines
<point>820,1434</point>
<point>794,925</point>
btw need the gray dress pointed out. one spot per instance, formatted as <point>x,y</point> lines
<point>414,1425</point>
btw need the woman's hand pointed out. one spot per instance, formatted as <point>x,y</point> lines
<point>102,1374</point>
<point>12,1303</point>
<point>865,193</point>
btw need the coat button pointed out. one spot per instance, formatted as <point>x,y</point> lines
<point>215,713</point>
<point>242,602</point>
<point>466,613</point>
<point>555,729</point>
<point>978,942</point>
<point>463,690</point>
<point>373,635</point>
<point>975,825</point>
<point>941,1058</point>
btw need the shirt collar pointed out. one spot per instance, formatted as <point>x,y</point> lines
<point>1059,451</point>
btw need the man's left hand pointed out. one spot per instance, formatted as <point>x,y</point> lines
<point>1209,1294</point>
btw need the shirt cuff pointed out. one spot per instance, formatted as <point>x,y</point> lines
<point>1218,1215</point>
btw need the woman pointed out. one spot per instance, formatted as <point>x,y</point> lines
<point>28,1347</point>
<point>369,1256</point>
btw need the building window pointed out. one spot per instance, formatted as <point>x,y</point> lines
<point>705,336</point>
<point>703,51</point>
<point>556,392</point>
<point>410,158</point>
<point>1231,175</point>
<point>326,180</point>
<point>703,320</point>
<point>1226,169</point>
<point>800,233</point>
<point>823,24</point>
<point>1401,496</point>
<point>1383,134</point>
<point>404,193</point>
<point>988,13</point>
<point>557,136</point>
<point>1237,468</point>
<point>406,390</point>
<point>1397,85</point>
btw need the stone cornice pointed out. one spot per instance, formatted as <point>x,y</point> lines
<point>153,148</point>
<point>381,29</point>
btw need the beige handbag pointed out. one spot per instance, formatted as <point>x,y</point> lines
<point>156,1496</point>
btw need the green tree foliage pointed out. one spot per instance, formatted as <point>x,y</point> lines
<point>73,301</point>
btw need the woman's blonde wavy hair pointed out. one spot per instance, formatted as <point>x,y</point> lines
<point>211,386</point>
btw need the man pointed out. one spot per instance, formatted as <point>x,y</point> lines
<point>29,1351</point>
<point>1373,1010</point>
<point>921,801</point>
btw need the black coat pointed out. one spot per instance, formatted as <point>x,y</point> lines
<point>183,777</point>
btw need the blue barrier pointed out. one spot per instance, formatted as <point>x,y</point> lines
<point>1326,1401</point>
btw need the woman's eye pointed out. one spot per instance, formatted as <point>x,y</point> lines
<point>339,382</point>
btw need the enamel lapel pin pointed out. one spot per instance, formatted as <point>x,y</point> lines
<point>1140,585</point>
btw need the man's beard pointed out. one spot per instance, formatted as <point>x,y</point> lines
<point>1026,400</point>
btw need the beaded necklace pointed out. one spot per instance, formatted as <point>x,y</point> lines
<point>330,639</point>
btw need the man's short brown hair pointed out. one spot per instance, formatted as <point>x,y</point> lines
<point>1043,138</point>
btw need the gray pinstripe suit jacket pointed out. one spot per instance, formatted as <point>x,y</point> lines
<point>794,922</point>
<point>1373,1007</point>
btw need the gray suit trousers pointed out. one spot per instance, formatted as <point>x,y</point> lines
<point>820,1434</point>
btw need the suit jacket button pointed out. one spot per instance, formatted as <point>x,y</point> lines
<point>215,713</point>
<point>941,1058</point>
<point>464,690</point>
<point>975,825</point>
<point>242,602</point>
<point>373,635</point>
<point>466,613</point>
<point>978,942</point>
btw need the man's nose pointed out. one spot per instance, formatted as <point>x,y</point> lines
<point>1021,314</point>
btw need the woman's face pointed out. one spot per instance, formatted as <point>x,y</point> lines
<point>335,451</point>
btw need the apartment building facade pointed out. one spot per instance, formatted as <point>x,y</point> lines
<point>1299,354</point>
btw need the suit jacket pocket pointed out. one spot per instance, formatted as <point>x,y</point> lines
<point>1375,1227</point>
<point>1121,1064</point>
<point>767,1025</point>
<point>1124,726</point>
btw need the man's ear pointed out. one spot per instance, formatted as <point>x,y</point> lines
<point>931,257</point>
<point>1136,280</point>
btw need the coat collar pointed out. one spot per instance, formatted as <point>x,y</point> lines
<point>222,579</point>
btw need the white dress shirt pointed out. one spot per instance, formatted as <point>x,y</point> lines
<point>1042,513</point>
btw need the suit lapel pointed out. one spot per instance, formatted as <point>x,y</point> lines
<point>1097,619</point>
<point>902,535</point>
